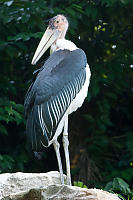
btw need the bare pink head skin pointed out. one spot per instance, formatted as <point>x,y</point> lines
<point>59,23</point>
<point>57,29</point>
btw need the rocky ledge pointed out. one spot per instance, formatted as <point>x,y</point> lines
<point>45,186</point>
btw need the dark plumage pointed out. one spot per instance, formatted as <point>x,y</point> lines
<point>55,86</point>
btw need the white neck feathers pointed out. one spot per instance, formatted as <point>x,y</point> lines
<point>63,44</point>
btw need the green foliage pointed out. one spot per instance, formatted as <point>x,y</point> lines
<point>10,112</point>
<point>119,185</point>
<point>104,29</point>
<point>79,184</point>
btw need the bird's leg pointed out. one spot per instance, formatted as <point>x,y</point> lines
<point>56,147</point>
<point>65,145</point>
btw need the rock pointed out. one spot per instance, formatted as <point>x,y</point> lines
<point>45,186</point>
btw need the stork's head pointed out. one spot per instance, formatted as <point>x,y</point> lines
<point>57,28</point>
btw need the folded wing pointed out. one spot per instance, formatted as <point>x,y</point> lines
<point>55,86</point>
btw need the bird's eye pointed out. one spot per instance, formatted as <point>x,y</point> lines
<point>57,21</point>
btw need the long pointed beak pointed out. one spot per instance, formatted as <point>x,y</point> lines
<point>49,37</point>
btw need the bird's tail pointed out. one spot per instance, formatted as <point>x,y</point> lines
<point>36,137</point>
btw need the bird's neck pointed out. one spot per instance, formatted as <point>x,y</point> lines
<point>62,44</point>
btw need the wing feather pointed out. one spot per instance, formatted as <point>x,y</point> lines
<point>51,93</point>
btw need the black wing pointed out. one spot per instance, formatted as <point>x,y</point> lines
<point>51,93</point>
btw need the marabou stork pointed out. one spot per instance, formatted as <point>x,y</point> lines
<point>59,88</point>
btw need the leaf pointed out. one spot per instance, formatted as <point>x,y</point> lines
<point>121,197</point>
<point>118,184</point>
<point>37,35</point>
<point>25,18</point>
<point>3,44</point>
<point>3,129</point>
<point>8,3</point>
<point>79,184</point>
<point>20,36</point>
<point>9,110</point>
<point>18,117</point>
<point>3,118</point>
<point>1,157</point>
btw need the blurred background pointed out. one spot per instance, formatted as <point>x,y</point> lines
<point>101,132</point>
